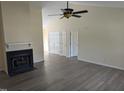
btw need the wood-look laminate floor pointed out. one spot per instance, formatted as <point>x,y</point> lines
<point>59,73</point>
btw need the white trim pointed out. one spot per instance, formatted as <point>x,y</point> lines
<point>62,54</point>
<point>111,66</point>
<point>36,61</point>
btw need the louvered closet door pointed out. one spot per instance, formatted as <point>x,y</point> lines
<point>56,43</point>
<point>63,43</point>
<point>74,44</point>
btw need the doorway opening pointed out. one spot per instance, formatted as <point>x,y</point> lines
<point>61,43</point>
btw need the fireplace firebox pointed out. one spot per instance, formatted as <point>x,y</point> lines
<point>19,61</point>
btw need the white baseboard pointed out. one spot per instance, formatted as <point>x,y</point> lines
<point>107,65</point>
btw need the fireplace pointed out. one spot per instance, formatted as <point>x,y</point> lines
<point>19,60</point>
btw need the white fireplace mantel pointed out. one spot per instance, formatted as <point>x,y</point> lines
<point>14,46</point>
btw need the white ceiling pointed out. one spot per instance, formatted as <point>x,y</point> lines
<point>103,3</point>
<point>119,4</point>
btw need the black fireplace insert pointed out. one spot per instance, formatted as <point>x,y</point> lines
<point>19,61</point>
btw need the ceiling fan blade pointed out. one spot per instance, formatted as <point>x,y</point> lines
<point>62,17</point>
<point>78,12</point>
<point>55,15</point>
<point>63,10</point>
<point>78,16</point>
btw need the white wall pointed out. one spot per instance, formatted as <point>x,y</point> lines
<point>45,40</point>
<point>22,23</point>
<point>101,33</point>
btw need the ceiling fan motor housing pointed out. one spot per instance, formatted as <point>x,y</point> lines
<point>68,12</point>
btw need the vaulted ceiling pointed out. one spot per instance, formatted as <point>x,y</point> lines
<point>53,7</point>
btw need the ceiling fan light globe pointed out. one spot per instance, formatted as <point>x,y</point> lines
<point>67,15</point>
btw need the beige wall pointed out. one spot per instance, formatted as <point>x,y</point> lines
<point>101,33</point>
<point>101,37</point>
<point>22,23</point>
<point>0,40</point>
<point>3,66</point>
<point>37,32</point>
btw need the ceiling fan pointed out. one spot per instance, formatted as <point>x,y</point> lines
<point>68,12</point>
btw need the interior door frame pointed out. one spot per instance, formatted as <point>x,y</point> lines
<point>70,45</point>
